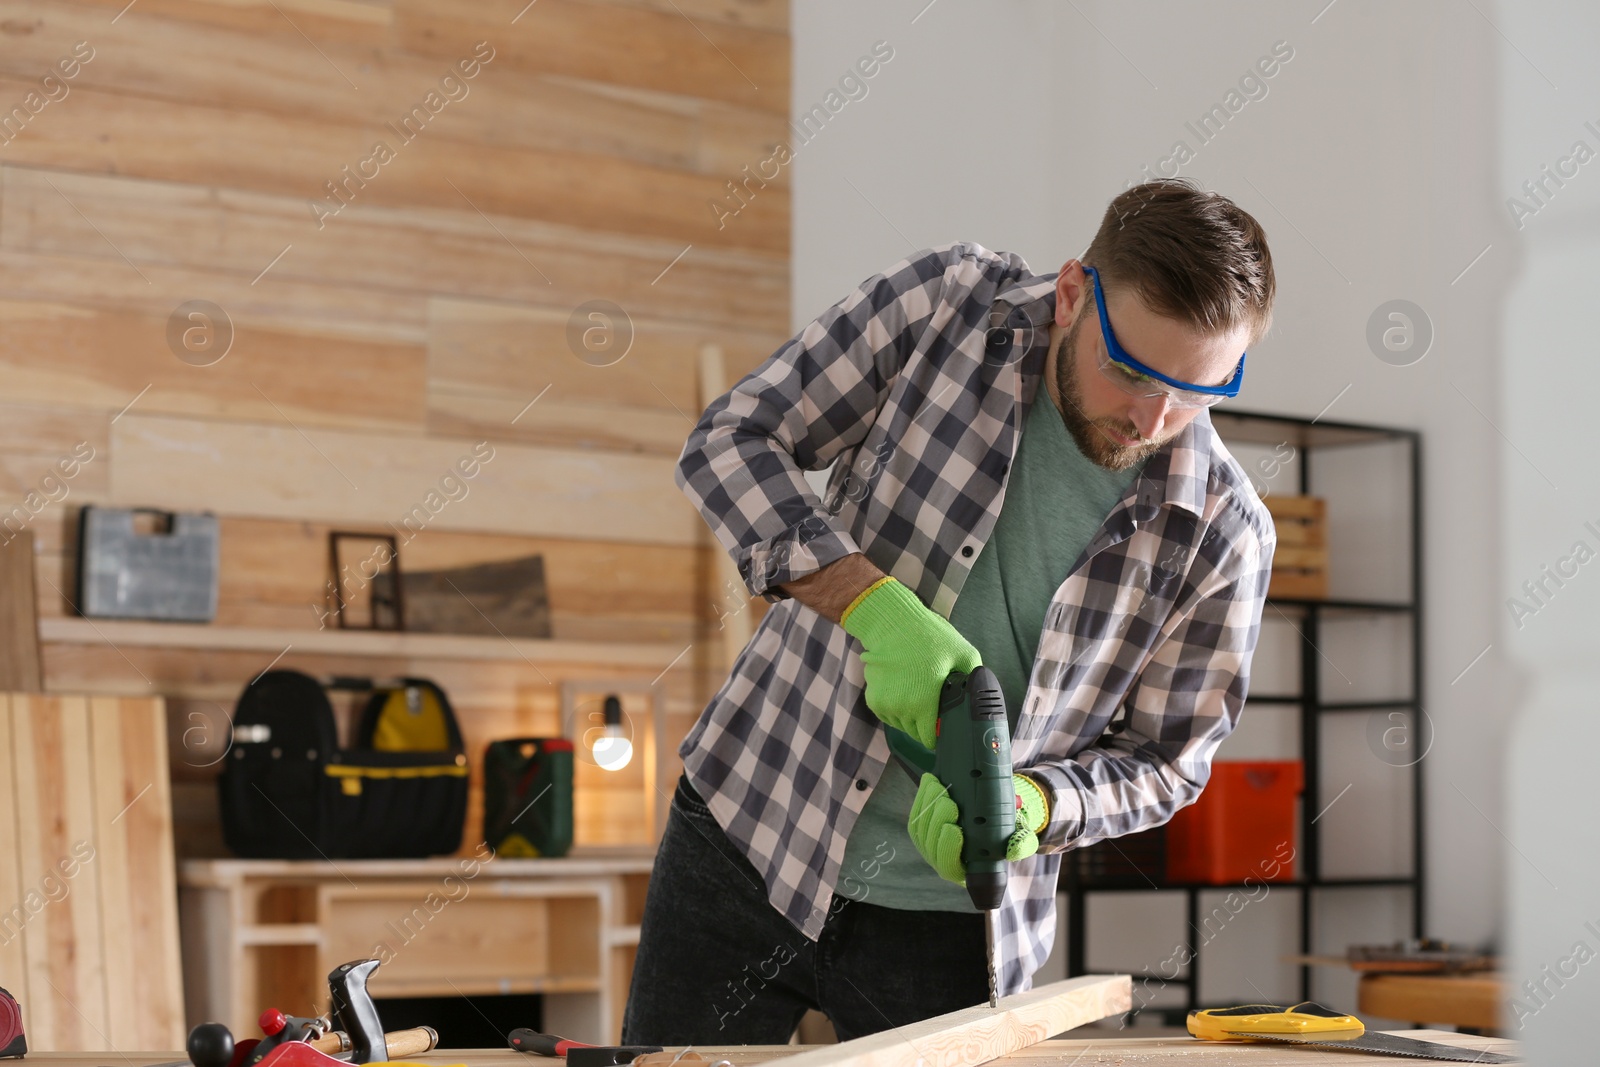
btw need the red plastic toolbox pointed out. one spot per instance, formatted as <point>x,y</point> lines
<point>1242,827</point>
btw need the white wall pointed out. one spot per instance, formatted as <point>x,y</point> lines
<point>1547,381</point>
<point>1376,166</point>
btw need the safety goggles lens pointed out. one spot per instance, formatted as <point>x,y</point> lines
<point>1134,383</point>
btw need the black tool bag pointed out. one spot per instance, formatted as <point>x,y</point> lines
<point>288,791</point>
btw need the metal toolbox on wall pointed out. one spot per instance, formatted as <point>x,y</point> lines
<point>140,563</point>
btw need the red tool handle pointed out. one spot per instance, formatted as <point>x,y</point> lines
<point>524,1040</point>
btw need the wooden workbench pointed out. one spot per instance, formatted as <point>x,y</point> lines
<point>1113,1050</point>
<point>267,932</point>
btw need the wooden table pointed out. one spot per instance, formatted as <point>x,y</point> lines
<point>1112,1050</point>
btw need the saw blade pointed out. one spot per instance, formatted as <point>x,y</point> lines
<point>1391,1045</point>
<point>989,920</point>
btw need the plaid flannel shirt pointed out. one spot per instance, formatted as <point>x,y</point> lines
<point>1144,657</point>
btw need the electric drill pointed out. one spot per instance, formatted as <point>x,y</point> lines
<point>972,759</point>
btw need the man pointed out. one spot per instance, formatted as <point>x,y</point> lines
<point>1024,476</point>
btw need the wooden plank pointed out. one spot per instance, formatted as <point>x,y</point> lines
<point>13,907</point>
<point>56,835</point>
<point>487,361</point>
<point>979,1034</point>
<point>50,456</point>
<point>772,15</point>
<point>86,984</point>
<point>51,431</point>
<point>557,420</point>
<point>44,1024</point>
<point>19,622</point>
<point>323,21</point>
<point>324,307</point>
<point>443,247</point>
<point>728,137</point>
<point>388,482</point>
<point>137,871</point>
<point>477,345</point>
<point>665,50</point>
<point>733,138</point>
<point>112,871</point>
<point>156,939</point>
<point>31,480</point>
<point>61,354</point>
<point>497,105</point>
<point>295,157</point>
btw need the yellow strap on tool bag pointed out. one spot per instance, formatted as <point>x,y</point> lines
<point>350,777</point>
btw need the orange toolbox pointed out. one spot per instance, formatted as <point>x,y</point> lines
<point>1242,827</point>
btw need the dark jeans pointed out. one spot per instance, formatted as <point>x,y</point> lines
<point>719,965</point>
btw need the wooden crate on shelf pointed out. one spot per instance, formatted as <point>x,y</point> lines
<point>1300,564</point>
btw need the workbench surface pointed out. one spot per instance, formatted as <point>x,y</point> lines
<point>1082,1052</point>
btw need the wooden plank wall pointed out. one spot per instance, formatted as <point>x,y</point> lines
<point>381,330</point>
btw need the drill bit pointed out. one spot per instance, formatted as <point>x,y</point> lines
<point>989,920</point>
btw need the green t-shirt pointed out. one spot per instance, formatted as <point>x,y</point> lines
<point>1055,501</point>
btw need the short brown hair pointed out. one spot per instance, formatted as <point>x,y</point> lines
<point>1189,254</point>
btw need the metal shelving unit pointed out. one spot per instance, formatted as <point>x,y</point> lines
<point>1306,436</point>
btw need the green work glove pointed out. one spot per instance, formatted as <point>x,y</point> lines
<point>936,831</point>
<point>907,653</point>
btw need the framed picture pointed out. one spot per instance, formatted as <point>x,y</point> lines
<point>365,588</point>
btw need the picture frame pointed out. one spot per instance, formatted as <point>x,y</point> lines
<point>357,558</point>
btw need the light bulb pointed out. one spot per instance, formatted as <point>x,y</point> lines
<point>612,751</point>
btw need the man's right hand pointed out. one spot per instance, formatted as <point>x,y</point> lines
<point>907,651</point>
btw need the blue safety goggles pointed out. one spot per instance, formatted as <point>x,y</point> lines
<point>1133,377</point>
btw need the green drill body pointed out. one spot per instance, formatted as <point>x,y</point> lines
<point>972,759</point>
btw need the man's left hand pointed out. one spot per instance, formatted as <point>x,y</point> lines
<point>935,826</point>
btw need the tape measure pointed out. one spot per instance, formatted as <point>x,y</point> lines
<point>12,1043</point>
